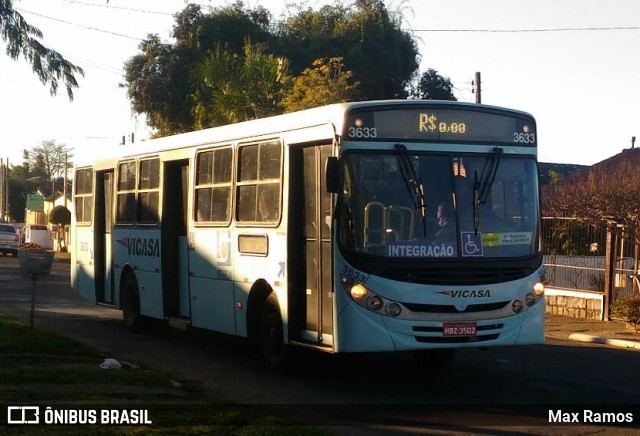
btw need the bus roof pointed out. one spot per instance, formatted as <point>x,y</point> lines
<point>333,115</point>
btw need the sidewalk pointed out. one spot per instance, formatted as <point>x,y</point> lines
<point>611,333</point>
<point>62,257</point>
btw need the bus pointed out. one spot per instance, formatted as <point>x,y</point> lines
<point>380,226</point>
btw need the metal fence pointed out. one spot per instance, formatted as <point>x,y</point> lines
<point>575,255</point>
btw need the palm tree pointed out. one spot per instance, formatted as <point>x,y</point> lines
<point>233,88</point>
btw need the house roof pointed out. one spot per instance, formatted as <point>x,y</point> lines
<point>628,155</point>
<point>545,170</point>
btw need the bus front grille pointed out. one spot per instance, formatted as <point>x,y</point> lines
<point>457,276</point>
<point>455,339</point>
<point>442,308</point>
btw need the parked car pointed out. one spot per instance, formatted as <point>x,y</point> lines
<point>9,240</point>
<point>37,234</point>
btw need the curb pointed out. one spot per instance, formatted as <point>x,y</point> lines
<point>620,343</point>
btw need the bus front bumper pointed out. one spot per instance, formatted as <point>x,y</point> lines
<point>361,330</point>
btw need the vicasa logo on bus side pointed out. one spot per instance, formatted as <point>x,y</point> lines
<point>141,246</point>
<point>466,293</point>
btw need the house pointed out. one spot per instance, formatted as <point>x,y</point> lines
<point>548,171</point>
<point>41,217</point>
<point>591,248</point>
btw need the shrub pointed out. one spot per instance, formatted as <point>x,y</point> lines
<point>61,217</point>
<point>628,308</point>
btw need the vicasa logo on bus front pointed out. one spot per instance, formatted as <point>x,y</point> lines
<point>141,246</point>
<point>474,293</point>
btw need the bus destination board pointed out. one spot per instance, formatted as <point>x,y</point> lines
<point>438,124</point>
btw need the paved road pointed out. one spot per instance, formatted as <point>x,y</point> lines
<point>349,388</point>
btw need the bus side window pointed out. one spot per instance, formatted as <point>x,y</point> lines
<point>258,186</point>
<point>83,195</point>
<point>268,203</point>
<point>203,205</point>
<point>213,186</point>
<point>148,191</point>
<point>126,199</point>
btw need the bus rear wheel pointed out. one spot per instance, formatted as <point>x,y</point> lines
<point>275,352</point>
<point>131,305</point>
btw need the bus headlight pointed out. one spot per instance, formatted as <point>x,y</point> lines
<point>358,292</point>
<point>375,303</point>
<point>394,309</point>
<point>517,306</point>
<point>368,299</point>
<point>538,289</point>
<point>530,299</point>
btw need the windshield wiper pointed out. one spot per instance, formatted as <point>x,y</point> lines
<point>481,187</point>
<point>489,174</point>
<point>413,184</point>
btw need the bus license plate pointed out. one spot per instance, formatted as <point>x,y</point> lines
<point>460,329</point>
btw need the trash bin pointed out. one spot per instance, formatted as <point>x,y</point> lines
<point>35,263</point>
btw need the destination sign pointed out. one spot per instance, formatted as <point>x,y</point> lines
<point>441,124</point>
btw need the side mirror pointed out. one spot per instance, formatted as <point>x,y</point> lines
<point>332,177</point>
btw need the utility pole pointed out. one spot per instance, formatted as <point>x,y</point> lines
<point>64,179</point>
<point>2,181</point>
<point>7,212</point>
<point>478,88</point>
<point>4,190</point>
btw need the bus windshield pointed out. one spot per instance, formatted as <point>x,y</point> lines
<point>407,204</point>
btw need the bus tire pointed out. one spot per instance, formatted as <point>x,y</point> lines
<point>131,316</point>
<point>434,359</point>
<point>275,353</point>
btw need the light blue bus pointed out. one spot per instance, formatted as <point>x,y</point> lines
<point>409,226</point>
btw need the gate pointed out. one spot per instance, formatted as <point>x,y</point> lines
<point>586,256</point>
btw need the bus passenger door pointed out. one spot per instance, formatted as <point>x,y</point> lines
<point>175,255</point>
<point>317,247</point>
<point>103,240</point>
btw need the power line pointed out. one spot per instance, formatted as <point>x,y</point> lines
<point>80,25</point>
<point>558,29</point>
<point>95,64</point>
<point>144,11</point>
<point>547,30</point>
<point>561,29</point>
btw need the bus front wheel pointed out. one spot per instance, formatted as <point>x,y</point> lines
<point>275,352</point>
<point>131,304</point>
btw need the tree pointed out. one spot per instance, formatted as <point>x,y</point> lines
<point>157,85</point>
<point>233,25</point>
<point>49,161</point>
<point>233,88</point>
<point>60,216</point>
<point>433,86</point>
<point>607,192</point>
<point>41,166</point>
<point>159,81</point>
<point>382,56</point>
<point>325,83</point>
<point>19,185</point>
<point>23,39</point>
<point>171,83</point>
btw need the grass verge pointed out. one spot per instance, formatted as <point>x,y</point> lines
<point>41,368</point>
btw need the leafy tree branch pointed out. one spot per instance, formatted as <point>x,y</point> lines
<point>23,40</point>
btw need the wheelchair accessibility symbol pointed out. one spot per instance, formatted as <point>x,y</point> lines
<point>471,244</point>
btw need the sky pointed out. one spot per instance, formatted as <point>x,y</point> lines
<point>572,64</point>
